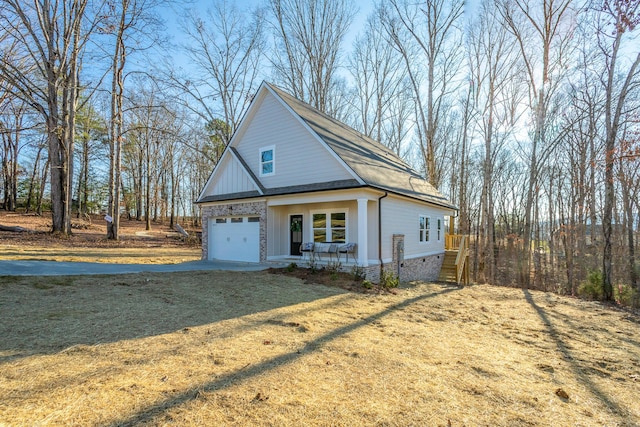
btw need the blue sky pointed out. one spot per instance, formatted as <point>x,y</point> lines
<point>170,14</point>
<point>364,8</point>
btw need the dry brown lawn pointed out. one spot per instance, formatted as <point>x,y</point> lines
<point>88,243</point>
<point>125,255</point>
<point>261,349</point>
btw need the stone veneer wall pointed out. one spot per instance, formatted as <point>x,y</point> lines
<point>426,268</point>
<point>258,209</point>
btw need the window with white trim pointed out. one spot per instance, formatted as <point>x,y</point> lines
<point>329,226</point>
<point>439,228</point>
<point>425,228</point>
<point>267,161</point>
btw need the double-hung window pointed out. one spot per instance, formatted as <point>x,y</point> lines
<point>425,228</point>
<point>439,228</point>
<point>330,227</point>
<point>267,161</point>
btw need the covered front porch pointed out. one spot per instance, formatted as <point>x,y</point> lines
<point>323,228</point>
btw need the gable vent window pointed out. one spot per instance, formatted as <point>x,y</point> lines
<point>267,161</point>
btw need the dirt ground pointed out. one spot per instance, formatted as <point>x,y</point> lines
<point>88,242</point>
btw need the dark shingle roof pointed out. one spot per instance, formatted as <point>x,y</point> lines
<point>374,163</point>
<point>293,189</point>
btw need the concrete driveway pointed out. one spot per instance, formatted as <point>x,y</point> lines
<point>54,268</point>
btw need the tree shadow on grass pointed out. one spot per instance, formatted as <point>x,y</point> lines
<point>568,356</point>
<point>46,315</point>
<point>232,378</point>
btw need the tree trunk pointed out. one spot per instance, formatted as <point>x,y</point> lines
<point>117,122</point>
<point>43,183</point>
<point>34,175</point>
<point>613,114</point>
<point>56,165</point>
<point>173,202</point>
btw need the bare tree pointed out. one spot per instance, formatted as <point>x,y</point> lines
<point>382,100</point>
<point>494,67</point>
<point>49,39</point>
<point>32,197</point>
<point>225,47</point>
<point>629,177</point>
<point>542,31</point>
<point>12,114</point>
<point>432,63</point>
<point>460,179</point>
<point>582,115</point>
<point>153,145</point>
<point>309,35</point>
<point>131,23</point>
<point>91,133</point>
<point>620,79</point>
<point>6,132</point>
<point>141,150</point>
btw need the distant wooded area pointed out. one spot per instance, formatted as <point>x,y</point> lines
<point>525,113</point>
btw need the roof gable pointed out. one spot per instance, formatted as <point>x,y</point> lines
<point>300,157</point>
<point>313,151</point>
<point>230,176</point>
<point>372,162</point>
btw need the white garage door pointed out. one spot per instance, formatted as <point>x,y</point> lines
<point>234,239</point>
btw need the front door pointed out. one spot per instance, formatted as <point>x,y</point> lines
<point>295,239</point>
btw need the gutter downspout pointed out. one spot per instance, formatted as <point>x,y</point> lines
<point>380,230</point>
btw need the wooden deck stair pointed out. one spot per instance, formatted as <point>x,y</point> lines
<point>455,266</point>
<point>448,270</point>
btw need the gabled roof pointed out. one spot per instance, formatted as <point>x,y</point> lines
<point>374,163</point>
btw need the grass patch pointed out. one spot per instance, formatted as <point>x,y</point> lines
<point>9,280</point>
<point>45,282</point>
<point>61,281</point>
<point>153,254</point>
<point>64,314</point>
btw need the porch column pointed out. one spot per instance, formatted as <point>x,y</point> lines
<point>363,232</point>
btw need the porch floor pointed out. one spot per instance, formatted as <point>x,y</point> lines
<point>320,262</point>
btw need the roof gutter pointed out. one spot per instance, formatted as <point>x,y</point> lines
<point>380,229</point>
<point>443,204</point>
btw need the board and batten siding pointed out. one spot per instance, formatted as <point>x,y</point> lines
<point>401,216</point>
<point>299,157</point>
<point>230,178</point>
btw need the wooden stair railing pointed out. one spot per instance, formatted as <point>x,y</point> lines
<point>452,242</point>
<point>461,261</point>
